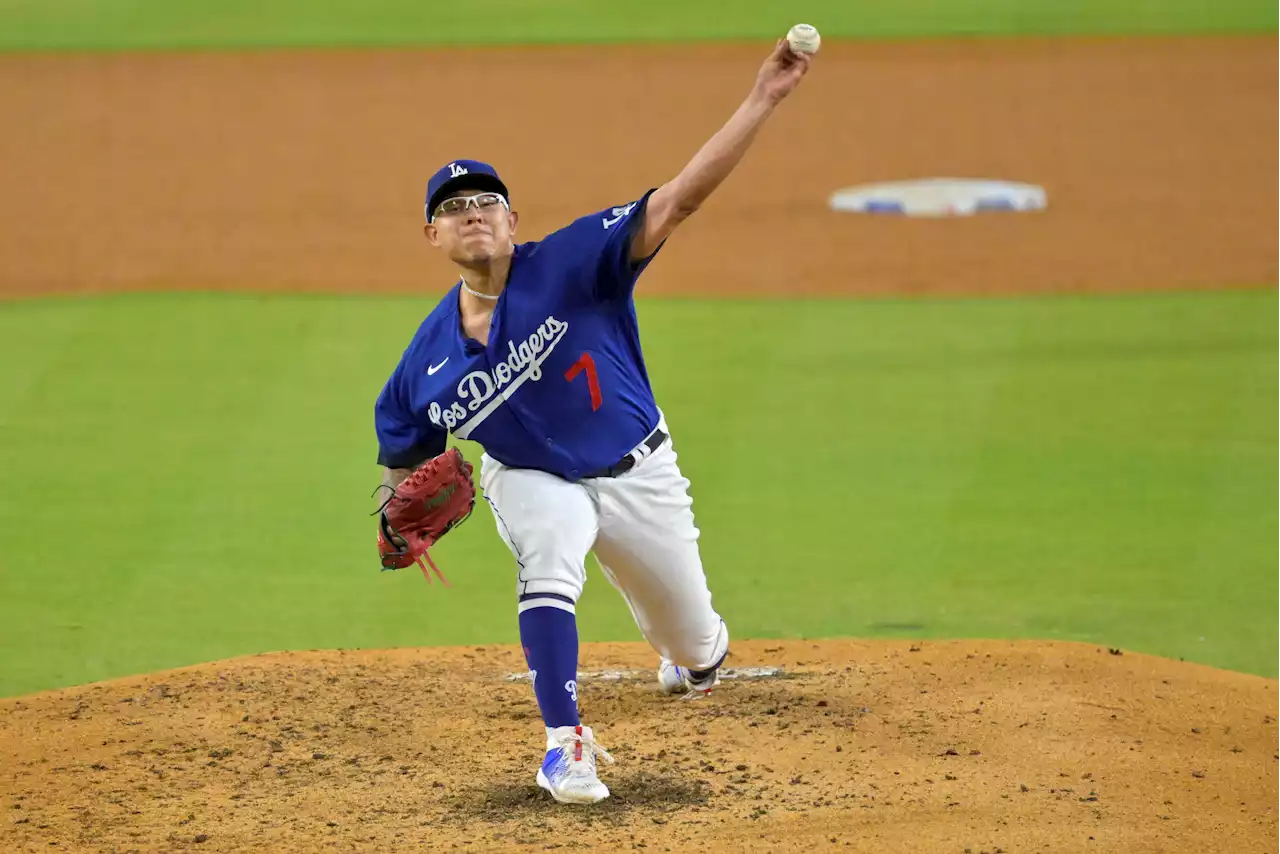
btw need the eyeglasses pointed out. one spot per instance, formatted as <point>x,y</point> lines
<point>459,204</point>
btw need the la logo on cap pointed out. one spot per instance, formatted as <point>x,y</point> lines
<point>455,170</point>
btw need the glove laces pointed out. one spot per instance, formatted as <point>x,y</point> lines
<point>436,569</point>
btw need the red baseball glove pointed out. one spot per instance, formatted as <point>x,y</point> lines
<point>437,497</point>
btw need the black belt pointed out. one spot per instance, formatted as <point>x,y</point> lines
<point>624,465</point>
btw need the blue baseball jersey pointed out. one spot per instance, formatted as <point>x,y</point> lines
<point>562,384</point>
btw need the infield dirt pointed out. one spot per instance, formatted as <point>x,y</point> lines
<point>304,170</point>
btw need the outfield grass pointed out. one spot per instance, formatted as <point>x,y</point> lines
<point>120,24</point>
<point>187,477</point>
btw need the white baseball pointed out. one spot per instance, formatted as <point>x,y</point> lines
<point>804,38</point>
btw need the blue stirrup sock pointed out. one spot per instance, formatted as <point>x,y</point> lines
<point>550,639</point>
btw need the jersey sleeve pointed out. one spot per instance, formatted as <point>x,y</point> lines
<point>403,441</point>
<point>617,273</point>
<point>601,244</point>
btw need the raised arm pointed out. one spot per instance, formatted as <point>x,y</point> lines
<point>676,200</point>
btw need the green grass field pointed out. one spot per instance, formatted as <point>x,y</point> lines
<point>1087,468</point>
<point>117,24</point>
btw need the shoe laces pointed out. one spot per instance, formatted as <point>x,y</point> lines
<point>699,689</point>
<point>583,746</point>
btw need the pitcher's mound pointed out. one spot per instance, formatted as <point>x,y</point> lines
<point>888,746</point>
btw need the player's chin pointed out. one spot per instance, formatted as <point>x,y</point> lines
<point>478,248</point>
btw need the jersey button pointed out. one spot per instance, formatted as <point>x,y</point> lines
<point>549,442</point>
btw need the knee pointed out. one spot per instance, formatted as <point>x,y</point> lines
<point>550,559</point>
<point>549,591</point>
<point>555,572</point>
<point>703,651</point>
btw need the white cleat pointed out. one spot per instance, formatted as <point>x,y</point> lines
<point>673,679</point>
<point>569,770</point>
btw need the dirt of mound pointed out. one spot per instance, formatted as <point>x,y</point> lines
<point>305,169</point>
<point>890,746</point>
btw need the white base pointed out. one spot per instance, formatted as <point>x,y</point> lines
<point>939,197</point>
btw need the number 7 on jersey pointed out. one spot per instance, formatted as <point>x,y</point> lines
<point>588,364</point>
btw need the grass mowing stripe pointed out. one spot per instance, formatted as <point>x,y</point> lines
<point>152,24</point>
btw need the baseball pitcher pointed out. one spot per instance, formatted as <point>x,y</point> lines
<point>535,355</point>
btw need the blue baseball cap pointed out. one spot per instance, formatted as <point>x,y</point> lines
<point>463,174</point>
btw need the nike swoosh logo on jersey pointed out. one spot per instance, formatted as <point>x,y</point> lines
<point>433,368</point>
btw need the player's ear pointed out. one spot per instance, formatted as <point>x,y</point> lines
<point>513,219</point>
<point>432,233</point>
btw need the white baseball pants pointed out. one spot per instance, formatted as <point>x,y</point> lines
<point>640,526</point>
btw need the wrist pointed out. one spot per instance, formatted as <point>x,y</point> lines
<point>762,100</point>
